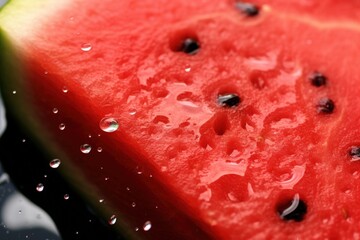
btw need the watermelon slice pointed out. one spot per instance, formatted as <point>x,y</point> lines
<point>195,119</point>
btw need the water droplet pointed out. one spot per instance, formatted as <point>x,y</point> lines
<point>220,169</point>
<point>85,148</point>
<point>86,47</point>
<point>55,110</point>
<point>147,226</point>
<point>89,135</point>
<point>55,163</point>
<point>132,112</point>
<point>65,90</point>
<point>112,220</point>
<point>136,229</point>
<point>66,196</point>
<point>133,204</point>
<point>109,124</point>
<point>20,211</point>
<point>62,126</point>
<point>101,200</point>
<point>24,140</point>
<point>14,92</point>
<point>232,197</point>
<point>263,63</point>
<point>187,69</point>
<point>297,174</point>
<point>40,187</point>
<point>99,149</point>
<point>107,178</point>
<point>139,170</point>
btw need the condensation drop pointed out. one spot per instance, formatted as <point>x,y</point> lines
<point>101,200</point>
<point>147,226</point>
<point>133,204</point>
<point>188,69</point>
<point>85,148</point>
<point>62,126</point>
<point>55,110</point>
<point>99,149</point>
<point>65,90</point>
<point>86,47</point>
<point>136,229</point>
<point>66,196</point>
<point>139,170</point>
<point>132,112</point>
<point>112,220</point>
<point>13,92</point>
<point>55,163</point>
<point>109,124</point>
<point>40,187</point>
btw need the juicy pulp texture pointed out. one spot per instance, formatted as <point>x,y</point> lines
<point>224,169</point>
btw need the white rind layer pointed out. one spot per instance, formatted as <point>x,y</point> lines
<point>21,19</point>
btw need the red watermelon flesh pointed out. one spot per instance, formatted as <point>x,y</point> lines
<point>223,124</point>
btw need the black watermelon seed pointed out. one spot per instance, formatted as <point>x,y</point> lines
<point>354,152</point>
<point>317,79</point>
<point>326,106</point>
<point>229,100</point>
<point>294,209</point>
<point>249,9</point>
<point>190,46</point>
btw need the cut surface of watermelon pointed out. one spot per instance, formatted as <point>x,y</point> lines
<point>221,120</point>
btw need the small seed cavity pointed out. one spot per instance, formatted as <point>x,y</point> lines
<point>294,209</point>
<point>190,46</point>
<point>318,79</point>
<point>229,100</point>
<point>354,152</point>
<point>248,9</point>
<point>326,106</point>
